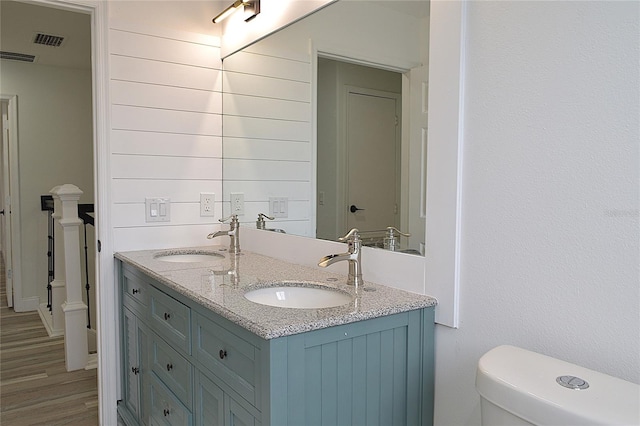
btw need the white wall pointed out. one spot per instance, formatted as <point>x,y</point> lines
<point>55,147</point>
<point>166,122</point>
<point>550,227</point>
<point>550,206</point>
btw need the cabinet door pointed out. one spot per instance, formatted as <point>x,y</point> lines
<point>365,373</point>
<point>236,415</point>
<point>216,408</point>
<point>132,365</point>
<point>164,408</point>
<point>209,402</point>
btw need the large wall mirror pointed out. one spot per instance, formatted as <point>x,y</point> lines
<point>325,124</point>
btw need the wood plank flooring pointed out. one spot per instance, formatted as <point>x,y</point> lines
<point>35,388</point>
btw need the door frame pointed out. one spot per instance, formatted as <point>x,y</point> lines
<point>106,290</point>
<point>13,262</point>
<point>342,191</point>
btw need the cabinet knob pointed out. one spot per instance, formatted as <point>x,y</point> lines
<point>135,291</point>
<point>223,354</point>
<point>166,412</point>
<point>135,370</point>
<point>169,367</point>
<point>167,316</point>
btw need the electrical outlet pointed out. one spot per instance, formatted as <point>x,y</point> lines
<point>207,200</point>
<point>237,203</point>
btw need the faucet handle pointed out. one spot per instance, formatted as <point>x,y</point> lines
<point>391,230</point>
<point>353,235</point>
<point>233,217</point>
<point>260,221</point>
<point>262,216</point>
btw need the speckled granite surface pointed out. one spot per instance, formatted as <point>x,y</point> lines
<point>220,285</point>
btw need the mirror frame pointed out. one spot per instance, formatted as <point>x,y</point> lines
<point>444,136</point>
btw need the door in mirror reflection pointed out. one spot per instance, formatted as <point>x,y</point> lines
<point>372,146</point>
<point>359,142</point>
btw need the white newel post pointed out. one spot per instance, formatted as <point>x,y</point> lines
<point>58,283</point>
<point>75,310</point>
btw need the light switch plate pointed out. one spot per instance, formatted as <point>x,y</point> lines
<point>157,209</point>
<point>279,206</point>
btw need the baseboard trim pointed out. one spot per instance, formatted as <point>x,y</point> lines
<point>28,304</point>
<point>47,321</point>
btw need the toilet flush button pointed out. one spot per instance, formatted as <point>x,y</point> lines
<point>572,382</point>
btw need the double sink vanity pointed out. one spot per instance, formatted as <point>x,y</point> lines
<point>211,337</point>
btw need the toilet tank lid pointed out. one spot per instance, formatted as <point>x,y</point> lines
<point>524,383</point>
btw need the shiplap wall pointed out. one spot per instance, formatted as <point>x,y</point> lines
<point>269,145</point>
<point>267,130</point>
<point>166,132</point>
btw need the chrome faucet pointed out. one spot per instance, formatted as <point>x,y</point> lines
<point>390,240</point>
<point>354,244</point>
<point>233,233</point>
<point>260,224</point>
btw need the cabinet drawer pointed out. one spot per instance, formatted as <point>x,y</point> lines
<point>170,319</point>
<point>135,292</point>
<point>229,357</point>
<point>165,408</point>
<point>172,368</point>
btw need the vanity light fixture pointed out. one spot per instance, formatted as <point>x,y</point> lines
<point>251,10</point>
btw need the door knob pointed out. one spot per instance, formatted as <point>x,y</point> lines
<point>2,212</point>
<point>353,208</point>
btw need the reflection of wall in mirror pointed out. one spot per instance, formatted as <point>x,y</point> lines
<point>268,127</point>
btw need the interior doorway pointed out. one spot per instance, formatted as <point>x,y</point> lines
<point>52,143</point>
<point>359,142</point>
<point>373,152</point>
<point>5,190</point>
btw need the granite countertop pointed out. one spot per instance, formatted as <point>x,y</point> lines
<point>220,284</point>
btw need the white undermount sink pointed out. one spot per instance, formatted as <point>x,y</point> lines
<point>292,295</point>
<point>187,256</point>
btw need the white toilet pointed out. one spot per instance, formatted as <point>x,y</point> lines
<point>519,387</point>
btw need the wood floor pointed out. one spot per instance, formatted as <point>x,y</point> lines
<point>35,388</point>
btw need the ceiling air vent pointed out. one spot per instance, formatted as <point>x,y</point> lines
<point>48,40</point>
<point>17,57</point>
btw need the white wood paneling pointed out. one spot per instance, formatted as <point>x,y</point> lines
<point>269,66</point>
<point>278,109</point>
<point>262,190</point>
<point>266,87</point>
<point>154,143</point>
<point>158,120</point>
<point>267,170</point>
<point>164,49</point>
<point>164,73</point>
<point>157,167</point>
<point>260,128</point>
<point>166,133</point>
<point>133,215</point>
<point>259,149</point>
<point>167,236</point>
<point>267,128</point>
<point>298,210</point>
<point>166,97</point>
<point>184,190</point>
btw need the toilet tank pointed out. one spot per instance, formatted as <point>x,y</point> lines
<point>522,387</point>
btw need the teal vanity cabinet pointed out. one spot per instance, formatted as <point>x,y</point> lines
<point>196,367</point>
